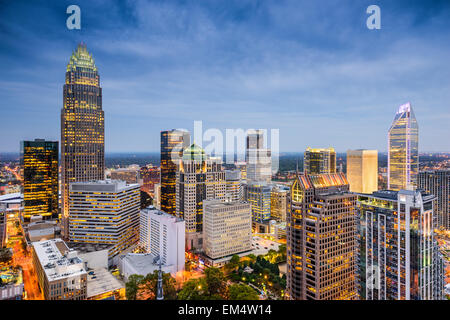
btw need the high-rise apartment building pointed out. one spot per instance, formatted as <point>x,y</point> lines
<point>199,177</point>
<point>279,203</point>
<point>173,143</point>
<point>39,161</point>
<point>319,161</point>
<point>259,195</point>
<point>403,150</point>
<point>233,184</point>
<point>227,228</point>
<point>82,127</point>
<point>105,212</point>
<point>164,235</point>
<point>398,255</point>
<point>258,158</point>
<point>321,239</point>
<point>437,182</point>
<point>61,273</point>
<point>362,170</point>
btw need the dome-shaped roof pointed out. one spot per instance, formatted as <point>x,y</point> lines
<point>194,152</point>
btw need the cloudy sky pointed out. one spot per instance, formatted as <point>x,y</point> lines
<point>311,69</point>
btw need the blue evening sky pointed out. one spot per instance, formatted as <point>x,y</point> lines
<point>311,69</point>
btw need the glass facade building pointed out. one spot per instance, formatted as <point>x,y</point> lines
<point>437,182</point>
<point>258,158</point>
<point>39,161</point>
<point>403,150</point>
<point>319,161</point>
<point>82,127</point>
<point>173,142</point>
<point>398,254</point>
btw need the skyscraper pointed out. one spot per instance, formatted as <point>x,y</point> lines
<point>234,185</point>
<point>403,150</point>
<point>173,143</point>
<point>321,239</point>
<point>258,195</point>
<point>437,182</point>
<point>39,161</point>
<point>105,212</point>
<point>258,158</point>
<point>398,254</point>
<point>82,126</point>
<point>279,203</point>
<point>319,161</point>
<point>199,177</point>
<point>362,170</point>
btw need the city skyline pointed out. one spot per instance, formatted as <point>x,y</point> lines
<point>233,60</point>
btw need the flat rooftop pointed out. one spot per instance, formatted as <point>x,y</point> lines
<point>58,260</point>
<point>101,281</point>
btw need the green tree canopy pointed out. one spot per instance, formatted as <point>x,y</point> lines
<point>242,292</point>
<point>132,286</point>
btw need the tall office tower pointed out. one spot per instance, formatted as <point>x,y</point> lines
<point>403,150</point>
<point>164,235</point>
<point>82,127</point>
<point>227,228</point>
<point>321,239</point>
<point>157,196</point>
<point>258,158</point>
<point>398,255</point>
<point>319,161</point>
<point>279,203</point>
<point>198,178</point>
<point>105,212</point>
<point>258,195</point>
<point>39,161</point>
<point>437,182</point>
<point>362,170</point>
<point>233,185</point>
<point>173,143</point>
<point>61,273</point>
<point>2,225</point>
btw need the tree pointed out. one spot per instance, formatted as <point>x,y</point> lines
<point>233,263</point>
<point>194,289</point>
<point>242,292</point>
<point>149,285</point>
<point>132,286</point>
<point>216,282</point>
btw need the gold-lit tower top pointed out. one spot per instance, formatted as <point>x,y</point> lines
<point>81,60</point>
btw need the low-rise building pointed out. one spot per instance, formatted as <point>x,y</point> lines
<point>61,273</point>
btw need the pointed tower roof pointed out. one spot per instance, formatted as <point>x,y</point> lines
<point>194,152</point>
<point>403,110</point>
<point>81,58</point>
